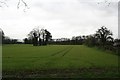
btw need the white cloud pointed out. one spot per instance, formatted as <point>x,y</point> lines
<point>64,18</point>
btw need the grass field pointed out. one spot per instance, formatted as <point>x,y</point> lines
<point>58,61</point>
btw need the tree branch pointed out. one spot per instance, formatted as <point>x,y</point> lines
<point>24,3</point>
<point>3,3</point>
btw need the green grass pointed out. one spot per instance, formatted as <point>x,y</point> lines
<point>18,58</point>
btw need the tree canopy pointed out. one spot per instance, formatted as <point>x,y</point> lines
<point>39,36</point>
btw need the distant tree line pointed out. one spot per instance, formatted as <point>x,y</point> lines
<point>7,40</point>
<point>38,37</point>
<point>102,39</point>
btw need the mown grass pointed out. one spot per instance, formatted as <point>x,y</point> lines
<point>74,60</point>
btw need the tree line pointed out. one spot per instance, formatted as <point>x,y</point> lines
<point>7,40</point>
<point>102,38</point>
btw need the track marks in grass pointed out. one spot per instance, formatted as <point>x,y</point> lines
<point>64,51</point>
<point>67,51</point>
<point>59,52</point>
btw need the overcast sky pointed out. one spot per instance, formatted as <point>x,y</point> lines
<point>63,18</point>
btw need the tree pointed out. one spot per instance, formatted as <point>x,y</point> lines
<point>104,35</point>
<point>117,46</point>
<point>39,39</point>
<point>25,41</point>
<point>83,37</point>
<point>2,33</point>
<point>4,3</point>
<point>42,32</point>
<point>22,1</point>
<point>35,39</point>
<point>2,36</point>
<point>90,40</point>
<point>48,36</point>
<point>117,43</point>
<point>40,36</point>
<point>33,35</point>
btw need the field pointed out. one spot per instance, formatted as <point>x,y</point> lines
<point>54,61</point>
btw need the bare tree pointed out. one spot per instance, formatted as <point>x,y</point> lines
<point>4,3</point>
<point>24,3</point>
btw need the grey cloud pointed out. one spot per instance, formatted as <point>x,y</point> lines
<point>64,18</point>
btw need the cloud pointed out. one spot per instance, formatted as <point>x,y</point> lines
<point>64,18</point>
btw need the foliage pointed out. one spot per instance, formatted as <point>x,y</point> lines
<point>91,41</point>
<point>7,40</point>
<point>38,37</point>
<point>104,35</point>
